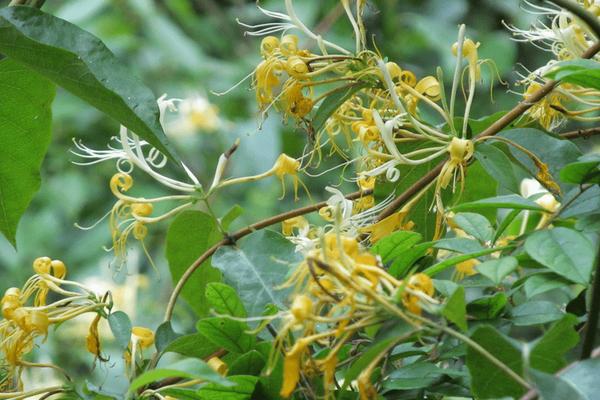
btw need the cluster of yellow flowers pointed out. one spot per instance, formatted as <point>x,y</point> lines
<point>27,316</point>
<point>341,288</point>
<point>567,38</point>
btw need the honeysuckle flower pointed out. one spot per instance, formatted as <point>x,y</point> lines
<point>284,165</point>
<point>27,316</point>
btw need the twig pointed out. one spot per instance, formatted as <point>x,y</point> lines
<point>532,394</point>
<point>591,327</point>
<point>491,130</point>
<point>240,234</point>
<point>581,133</point>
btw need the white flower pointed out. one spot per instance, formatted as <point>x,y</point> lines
<point>132,152</point>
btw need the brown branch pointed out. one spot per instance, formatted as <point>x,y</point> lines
<point>230,239</point>
<point>491,130</point>
<point>533,394</point>
<point>581,133</point>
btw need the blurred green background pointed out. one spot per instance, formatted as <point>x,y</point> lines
<point>188,48</point>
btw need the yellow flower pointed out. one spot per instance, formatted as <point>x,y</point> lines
<point>387,225</point>
<point>466,268</point>
<point>291,367</point>
<point>142,336</point>
<point>92,340</point>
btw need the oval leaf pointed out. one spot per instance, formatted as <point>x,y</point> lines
<point>565,251</point>
<point>25,122</point>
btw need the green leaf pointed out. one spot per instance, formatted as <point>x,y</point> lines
<point>488,380</point>
<point>255,268</point>
<point>584,376</point>
<point>242,390</point>
<point>565,251</point>
<point>164,336</point>
<point>120,325</point>
<point>250,363</point>
<point>459,245</point>
<point>588,223</point>
<point>332,102</point>
<point>368,355</point>
<point>475,225</point>
<point>197,369</point>
<point>189,235</point>
<point>474,190</point>
<point>224,300</point>
<point>585,170</point>
<point>449,262</point>
<point>25,124</point>
<point>395,244</point>
<point>79,62</point>
<point>404,260</point>
<point>542,283</point>
<point>193,345</point>
<point>417,375</point>
<point>554,151</point>
<point>535,313</point>
<point>547,353</point>
<point>511,201</point>
<point>231,215</point>
<point>499,166</point>
<point>498,268</point>
<point>487,307</point>
<point>551,387</point>
<point>455,308</point>
<point>229,334</point>
<point>579,72</point>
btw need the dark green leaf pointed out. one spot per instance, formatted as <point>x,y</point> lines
<point>459,245</point>
<point>164,336</point>
<point>551,387</point>
<point>487,307</point>
<point>585,170</point>
<point>193,345</point>
<point>547,353</point>
<point>414,376</point>
<point>82,64</point>
<point>565,251</point>
<point>250,363</point>
<point>255,268</point>
<point>535,313</point>
<point>189,235</point>
<point>488,380</point>
<point>554,151</point>
<point>25,123</point>
<point>120,325</point>
<point>475,225</point>
<point>584,376</point>
<point>455,308</point>
<point>541,283</point>
<point>229,334</point>
<point>499,166</point>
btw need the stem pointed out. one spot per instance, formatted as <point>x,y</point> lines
<point>240,234</point>
<point>593,315</point>
<point>491,130</point>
